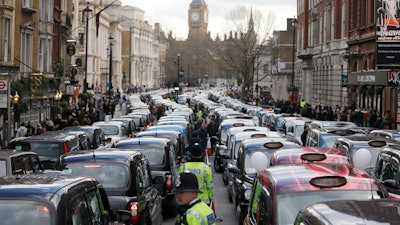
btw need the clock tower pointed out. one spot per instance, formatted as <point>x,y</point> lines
<point>198,19</point>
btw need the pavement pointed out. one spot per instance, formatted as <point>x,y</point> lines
<point>120,111</point>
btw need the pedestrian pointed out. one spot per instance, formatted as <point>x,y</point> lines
<point>191,210</point>
<point>212,131</point>
<point>203,173</point>
<point>203,135</point>
<point>193,140</point>
<point>304,134</point>
<point>21,131</point>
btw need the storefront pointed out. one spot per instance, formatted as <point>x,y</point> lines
<point>371,90</point>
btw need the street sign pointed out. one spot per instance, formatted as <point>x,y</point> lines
<point>3,85</point>
<point>3,100</point>
<point>73,71</point>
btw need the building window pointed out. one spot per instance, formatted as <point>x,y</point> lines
<point>45,45</point>
<point>46,10</point>
<point>81,38</point>
<point>26,3</point>
<point>41,53</point>
<point>26,50</point>
<point>6,37</point>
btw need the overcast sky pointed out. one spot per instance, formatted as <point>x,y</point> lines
<point>173,14</point>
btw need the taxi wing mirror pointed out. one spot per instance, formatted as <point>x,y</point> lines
<point>224,154</point>
<point>234,170</point>
<point>222,147</point>
<point>390,183</point>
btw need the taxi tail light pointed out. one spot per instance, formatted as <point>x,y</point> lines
<point>66,148</point>
<point>134,209</point>
<point>168,182</point>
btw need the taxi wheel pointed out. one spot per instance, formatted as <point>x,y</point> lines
<point>230,197</point>
<point>217,167</point>
<point>225,178</point>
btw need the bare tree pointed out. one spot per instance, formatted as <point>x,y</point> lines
<point>248,28</point>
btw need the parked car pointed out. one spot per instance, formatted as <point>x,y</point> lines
<point>387,170</point>
<point>18,162</point>
<point>172,127</point>
<point>230,155</point>
<point>116,130</point>
<point>326,137</point>
<point>55,200</point>
<point>126,178</point>
<point>391,134</point>
<point>163,163</point>
<point>370,146</point>
<point>95,134</point>
<point>244,171</point>
<point>280,192</point>
<point>175,136</point>
<point>48,147</point>
<point>350,212</point>
<point>307,154</point>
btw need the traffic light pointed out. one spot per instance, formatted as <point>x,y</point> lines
<point>187,84</point>
<point>256,87</point>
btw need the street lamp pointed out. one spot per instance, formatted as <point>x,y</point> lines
<point>58,96</point>
<point>87,11</point>
<point>179,55</point>
<point>294,21</point>
<point>110,65</point>
<point>13,99</point>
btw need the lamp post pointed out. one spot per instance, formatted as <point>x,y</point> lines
<point>13,99</point>
<point>86,11</point>
<point>58,97</point>
<point>110,65</point>
<point>294,21</point>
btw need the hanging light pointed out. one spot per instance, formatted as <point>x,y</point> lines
<point>15,98</point>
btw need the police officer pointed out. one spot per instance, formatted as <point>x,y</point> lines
<point>192,211</point>
<point>202,172</point>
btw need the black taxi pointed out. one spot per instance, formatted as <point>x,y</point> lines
<point>54,200</point>
<point>163,163</point>
<point>244,171</point>
<point>364,150</point>
<point>377,212</point>
<point>280,192</point>
<point>126,177</point>
<point>14,162</point>
<point>387,170</point>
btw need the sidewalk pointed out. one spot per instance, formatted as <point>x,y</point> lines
<point>120,111</point>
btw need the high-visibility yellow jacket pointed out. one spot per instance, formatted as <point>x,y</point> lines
<point>204,178</point>
<point>198,214</point>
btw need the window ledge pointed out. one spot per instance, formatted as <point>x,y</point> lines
<point>28,10</point>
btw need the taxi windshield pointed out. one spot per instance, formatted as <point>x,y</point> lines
<point>291,203</point>
<point>25,212</point>
<point>248,167</point>
<point>154,155</point>
<point>109,130</point>
<point>374,157</point>
<point>327,140</point>
<point>110,175</point>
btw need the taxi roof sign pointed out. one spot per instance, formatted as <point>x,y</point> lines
<point>273,145</point>
<point>328,181</point>
<point>311,157</point>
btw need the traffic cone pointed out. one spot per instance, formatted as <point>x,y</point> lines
<point>208,148</point>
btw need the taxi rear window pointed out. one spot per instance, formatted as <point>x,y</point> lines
<point>109,175</point>
<point>24,211</point>
<point>3,168</point>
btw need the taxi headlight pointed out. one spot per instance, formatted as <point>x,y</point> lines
<point>247,194</point>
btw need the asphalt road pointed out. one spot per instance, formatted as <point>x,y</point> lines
<point>224,209</point>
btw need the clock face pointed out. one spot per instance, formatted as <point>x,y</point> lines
<point>195,16</point>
